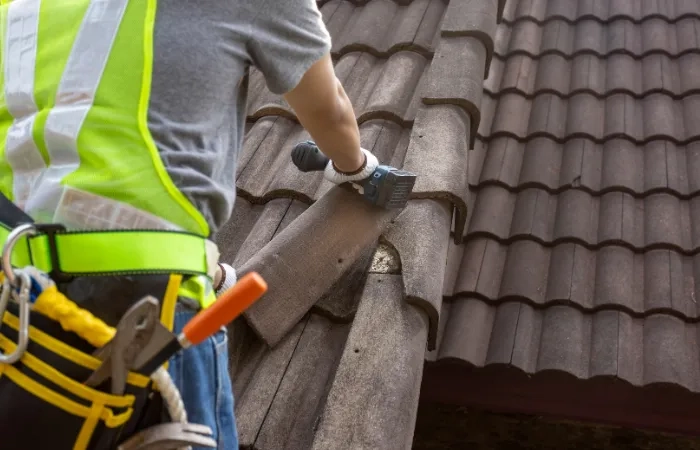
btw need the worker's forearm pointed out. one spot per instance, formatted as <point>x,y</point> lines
<point>337,134</point>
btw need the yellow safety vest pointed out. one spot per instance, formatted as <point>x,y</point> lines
<point>74,92</point>
<point>76,82</point>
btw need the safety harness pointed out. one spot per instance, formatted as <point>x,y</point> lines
<point>76,153</point>
<point>42,375</point>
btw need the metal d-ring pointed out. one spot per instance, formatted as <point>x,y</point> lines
<point>24,310</point>
<point>15,235</point>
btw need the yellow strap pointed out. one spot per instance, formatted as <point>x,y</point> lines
<point>111,420</point>
<point>167,310</point>
<point>113,252</point>
<point>45,393</point>
<point>70,353</point>
<point>75,388</point>
<point>88,428</point>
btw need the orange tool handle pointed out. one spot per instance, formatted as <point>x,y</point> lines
<point>226,308</point>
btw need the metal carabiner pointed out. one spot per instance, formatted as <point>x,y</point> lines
<point>25,285</point>
<point>5,292</point>
<point>15,235</point>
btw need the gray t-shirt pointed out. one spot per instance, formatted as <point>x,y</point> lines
<point>202,50</point>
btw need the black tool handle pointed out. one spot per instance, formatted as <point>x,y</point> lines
<point>308,157</point>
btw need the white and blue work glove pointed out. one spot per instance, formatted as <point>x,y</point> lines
<point>332,174</point>
<point>309,158</point>
<point>228,278</point>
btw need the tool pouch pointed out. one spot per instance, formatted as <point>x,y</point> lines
<point>43,401</point>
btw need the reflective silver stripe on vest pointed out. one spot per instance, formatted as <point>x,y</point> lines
<point>19,62</point>
<point>74,98</point>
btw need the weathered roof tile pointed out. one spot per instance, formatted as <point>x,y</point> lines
<point>601,10</point>
<point>675,77</point>
<point>477,19</point>
<point>382,27</point>
<point>611,277</point>
<point>642,352</point>
<point>653,117</point>
<point>588,36</point>
<point>615,165</point>
<point>452,80</point>
<point>419,236</point>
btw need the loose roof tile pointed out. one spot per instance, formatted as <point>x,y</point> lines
<point>272,385</point>
<point>305,259</point>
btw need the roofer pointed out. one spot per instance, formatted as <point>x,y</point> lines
<point>129,115</point>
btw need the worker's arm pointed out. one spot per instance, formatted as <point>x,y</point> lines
<point>290,45</point>
<point>324,109</point>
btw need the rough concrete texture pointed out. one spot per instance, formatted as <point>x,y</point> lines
<point>373,401</point>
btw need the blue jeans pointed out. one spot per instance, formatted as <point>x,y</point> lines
<point>201,373</point>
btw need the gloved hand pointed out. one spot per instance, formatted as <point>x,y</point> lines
<point>309,158</point>
<point>228,278</point>
<point>333,175</point>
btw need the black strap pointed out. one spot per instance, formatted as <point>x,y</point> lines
<point>10,214</point>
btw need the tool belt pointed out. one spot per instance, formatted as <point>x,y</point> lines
<point>47,340</point>
<point>45,388</point>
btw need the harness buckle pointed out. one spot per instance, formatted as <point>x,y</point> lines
<point>27,229</point>
<point>51,230</point>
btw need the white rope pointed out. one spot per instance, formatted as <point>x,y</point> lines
<point>171,397</point>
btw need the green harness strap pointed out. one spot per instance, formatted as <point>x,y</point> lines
<point>113,252</point>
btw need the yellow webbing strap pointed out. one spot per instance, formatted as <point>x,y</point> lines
<point>112,252</point>
<point>110,419</point>
<point>167,309</point>
<point>88,428</point>
<point>75,388</point>
<point>66,351</point>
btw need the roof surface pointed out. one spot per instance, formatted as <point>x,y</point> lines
<point>580,256</point>
<point>580,252</point>
<point>561,236</point>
